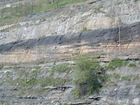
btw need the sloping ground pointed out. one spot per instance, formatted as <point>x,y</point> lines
<point>40,71</point>
<point>43,83</point>
<point>47,81</point>
<point>72,19</point>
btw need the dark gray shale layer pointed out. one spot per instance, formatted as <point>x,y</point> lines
<point>128,34</point>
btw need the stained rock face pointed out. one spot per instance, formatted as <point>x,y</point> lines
<point>106,28</point>
<point>71,30</point>
<point>99,14</point>
<point>105,40</point>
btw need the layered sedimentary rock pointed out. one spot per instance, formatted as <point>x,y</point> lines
<point>105,40</point>
<point>98,26</point>
<point>99,14</point>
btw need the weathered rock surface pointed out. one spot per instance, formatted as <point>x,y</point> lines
<point>95,41</point>
<point>100,14</point>
<point>122,90</point>
<point>53,37</point>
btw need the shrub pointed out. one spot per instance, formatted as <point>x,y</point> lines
<point>86,75</point>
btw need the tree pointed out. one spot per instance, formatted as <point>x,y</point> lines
<point>86,74</point>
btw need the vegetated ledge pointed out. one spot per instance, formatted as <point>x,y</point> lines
<point>128,34</point>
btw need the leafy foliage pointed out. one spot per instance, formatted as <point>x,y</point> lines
<point>86,75</point>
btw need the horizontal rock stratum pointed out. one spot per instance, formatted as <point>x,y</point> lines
<point>94,41</point>
<point>100,14</point>
<point>71,30</point>
<point>39,62</point>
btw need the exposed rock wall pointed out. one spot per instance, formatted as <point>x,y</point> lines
<point>95,41</point>
<point>71,30</point>
<point>100,14</point>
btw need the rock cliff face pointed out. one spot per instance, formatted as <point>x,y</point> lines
<point>53,32</point>
<point>100,14</point>
<point>104,40</point>
<point>109,29</point>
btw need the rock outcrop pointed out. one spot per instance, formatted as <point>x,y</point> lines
<point>28,53</point>
<point>101,40</point>
<point>82,28</point>
<point>100,14</point>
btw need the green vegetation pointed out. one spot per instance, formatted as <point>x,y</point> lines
<point>132,65</point>
<point>127,78</point>
<point>76,93</point>
<point>1,66</point>
<point>15,13</point>
<point>60,68</point>
<point>51,81</point>
<point>131,77</point>
<point>84,29</point>
<point>99,9</point>
<point>116,63</point>
<point>11,27</point>
<point>136,77</point>
<point>136,0</point>
<point>37,67</point>
<point>116,76</point>
<point>29,76</point>
<point>86,75</point>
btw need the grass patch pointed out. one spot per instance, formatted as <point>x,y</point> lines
<point>116,76</point>
<point>50,81</point>
<point>116,63</point>
<point>18,82</point>
<point>44,81</point>
<point>84,29</point>
<point>21,10</point>
<point>127,78</point>
<point>32,81</point>
<point>30,77</point>
<point>10,19</point>
<point>54,5</point>
<point>136,0</point>
<point>12,27</point>
<point>1,66</point>
<point>136,77</point>
<point>60,68</point>
<point>132,65</point>
<point>36,67</point>
<point>45,8</point>
<point>76,93</point>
